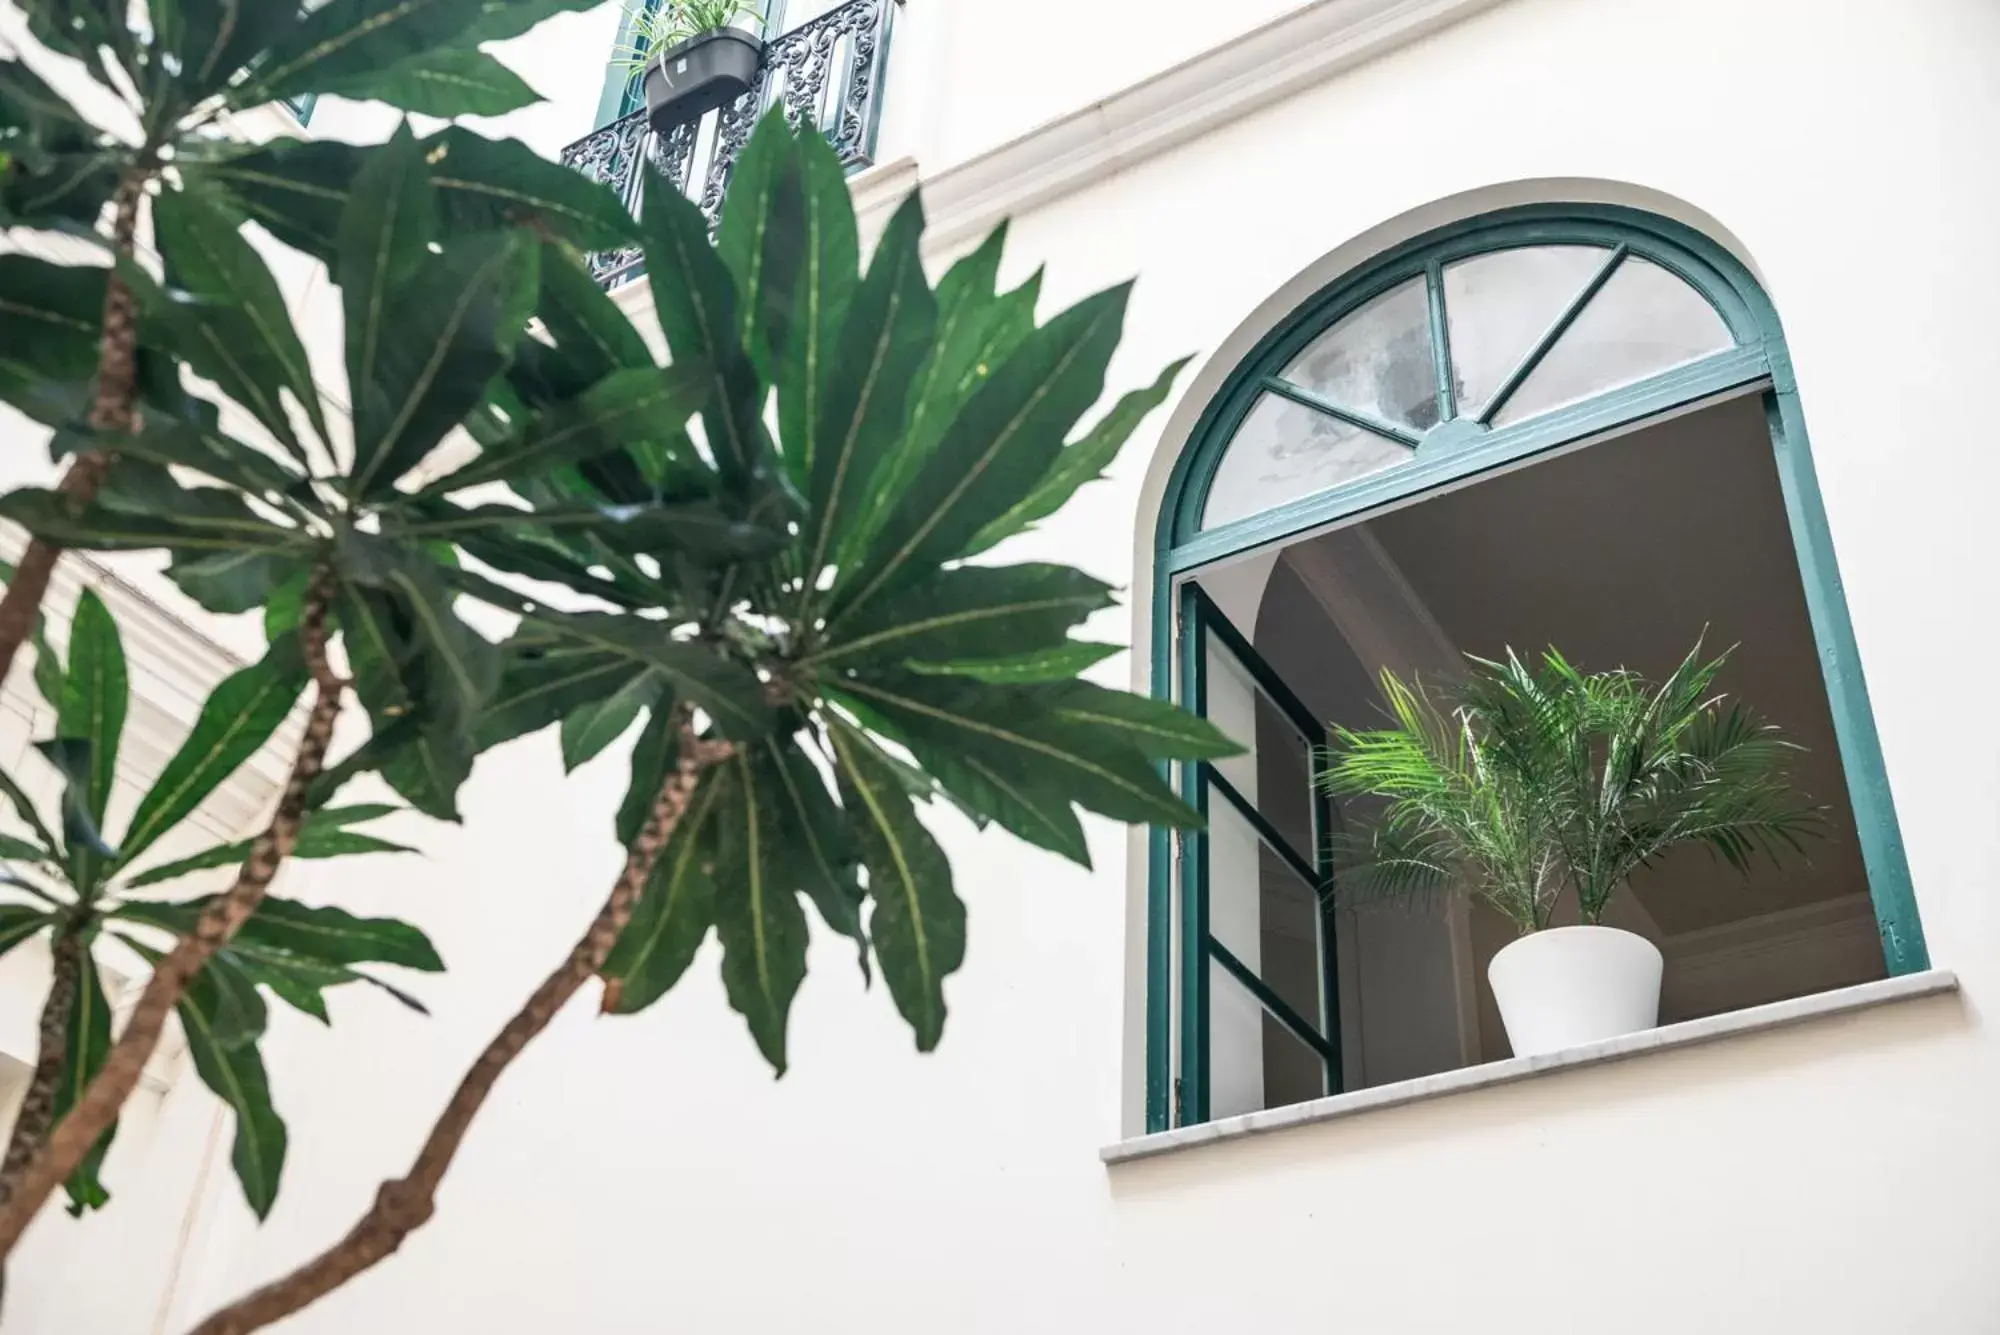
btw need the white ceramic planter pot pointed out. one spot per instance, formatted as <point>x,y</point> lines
<point>1573,985</point>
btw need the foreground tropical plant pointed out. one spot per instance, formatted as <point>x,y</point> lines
<point>918,427</point>
<point>324,529</point>
<point>173,68</point>
<point>1531,786</point>
<point>62,876</point>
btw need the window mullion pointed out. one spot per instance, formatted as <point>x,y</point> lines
<point>1305,398</point>
<point>1447,389</point>
<point>1274,1005</point>
<point>1549,336</point>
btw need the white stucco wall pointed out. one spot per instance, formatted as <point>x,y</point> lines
<point>646,1174</point>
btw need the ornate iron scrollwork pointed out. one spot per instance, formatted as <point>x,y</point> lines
<point>826,72</point>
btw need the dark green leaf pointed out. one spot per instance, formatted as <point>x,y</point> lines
<point>608,416</point>
<point>730,693</point>
<point>674,915</point>
<point>1042,665</point>
<point>104,528</point>
<point>462,667</point>
<point>1157,729</point>
<point>652,757</point>
<point>591,333</point>
<point>970,613</point>
<point>1081,463</point>
<point>236,1075</point>
<point>20,922</point>
<point>757,916</point>
<point>542,683</point>
<point>83,843</point>
<point>979,328</point>
<point>812,843</point>
<point>444,83</point>
<point>238,718</point>
<point>487,183</point>
<point>13,849</point>
<point>78,28</point>
<point>830,270</point>
<point>917,923</point>
<point>1020,730</point>
<point>320,935</point>
<point>233,582</point>
<point>385,233</point>
<point>864,399</point>
<point>696,302</point>
<point>25,809</point>
<point>212,40</point>
<point>322,836</point>
<point>761,239</point>
<point>232,324</point>
<point>446,332</point>
<point>167,441</point>
<point>1004,790</point>
<point>96,695</point>
<point>591,727</point>
<point>52,313</point>
<point>996,451</point>
<point>299,190</point>
<point>347,39</point>
<point>88,1043</point>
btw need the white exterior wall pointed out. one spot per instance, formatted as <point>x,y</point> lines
<point>646,1174</point>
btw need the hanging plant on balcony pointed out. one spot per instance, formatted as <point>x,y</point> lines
<point>1539,787</point>
<point>693,56</point>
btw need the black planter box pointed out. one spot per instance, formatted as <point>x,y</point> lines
<point>703,73</point>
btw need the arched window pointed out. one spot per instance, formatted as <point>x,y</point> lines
<point>1397,477</point>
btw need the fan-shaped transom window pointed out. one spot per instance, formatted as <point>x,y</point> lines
<point>1455,351</point>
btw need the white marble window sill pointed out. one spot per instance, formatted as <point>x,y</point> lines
<point>1756,1019</point>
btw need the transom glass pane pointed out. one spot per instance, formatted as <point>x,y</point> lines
<point>1284,451</point>
<point>1499,305</point>
<point>1377,361</point>
<point>1645,321</point>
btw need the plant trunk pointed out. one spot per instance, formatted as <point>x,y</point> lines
<point>31,1126</point>
<point>406,1204</point>
<point>119,1076</point>
<point>111,410</point>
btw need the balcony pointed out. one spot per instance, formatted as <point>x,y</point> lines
<point>827,71</point>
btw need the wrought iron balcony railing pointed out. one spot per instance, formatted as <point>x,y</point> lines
<point>826,72</point>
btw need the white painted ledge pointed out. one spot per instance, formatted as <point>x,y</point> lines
<point>1757,1019</point>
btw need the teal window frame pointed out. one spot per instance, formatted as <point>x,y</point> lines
<point>1457,450</point>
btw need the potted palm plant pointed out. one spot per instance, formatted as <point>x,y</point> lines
<point>1544,790</point>
<point>694,57</point>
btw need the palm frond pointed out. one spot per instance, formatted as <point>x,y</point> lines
<point>1525,778</point>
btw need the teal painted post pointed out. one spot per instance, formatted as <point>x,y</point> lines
<point>1193,1079</point>
<point>1160,889</point>
<point>1903,947</point>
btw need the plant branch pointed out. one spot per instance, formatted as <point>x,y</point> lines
<point>223,918</point>
<point>404,1205</point>
<point>38,1107</point>
<point>111,410</point>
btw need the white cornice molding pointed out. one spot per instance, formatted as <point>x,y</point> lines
<point>1223,84</point>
